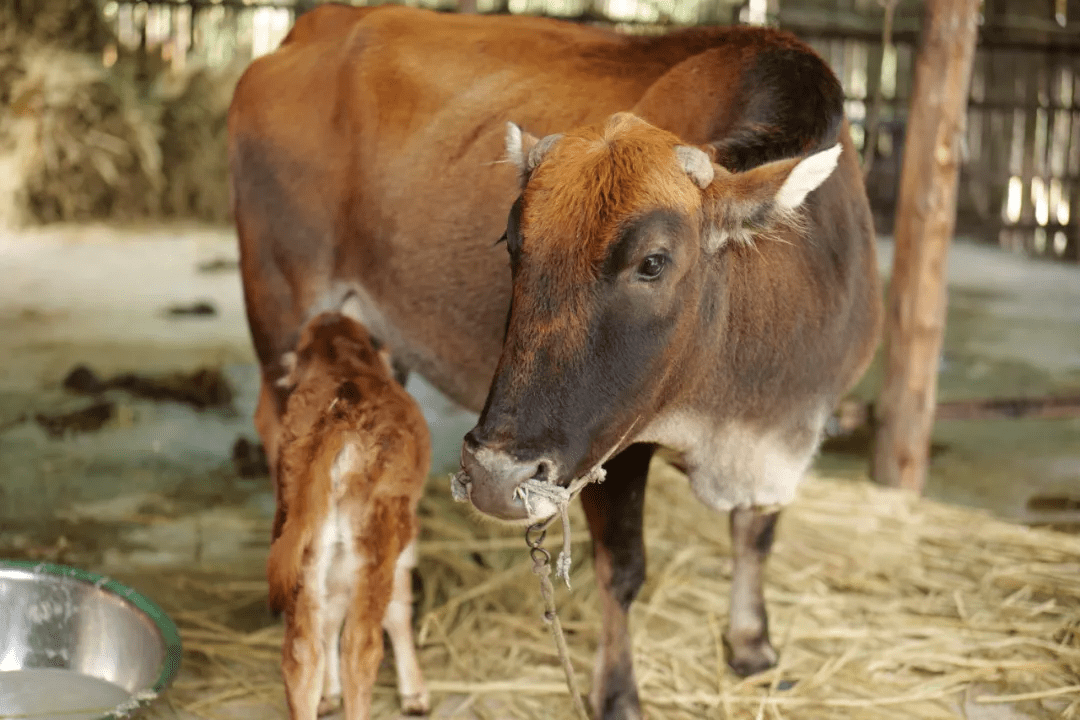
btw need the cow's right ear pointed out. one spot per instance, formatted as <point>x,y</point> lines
<point>525,151</point>
<point>742,206</point>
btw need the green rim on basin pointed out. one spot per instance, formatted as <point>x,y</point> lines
<point>170,637</point>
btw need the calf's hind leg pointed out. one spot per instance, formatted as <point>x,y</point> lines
<point>398,623</point>
<point>382,597</point>
<point>747,637</point>
<point>303,658</point>
<point>615,510</point>
<point>361,641</point>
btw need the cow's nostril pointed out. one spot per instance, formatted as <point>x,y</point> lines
<point>542,471</point>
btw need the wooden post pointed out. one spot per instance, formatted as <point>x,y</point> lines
<point>925,217</point>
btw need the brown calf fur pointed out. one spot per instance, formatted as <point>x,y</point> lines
<point>372,164</point>
<point>352,461</point>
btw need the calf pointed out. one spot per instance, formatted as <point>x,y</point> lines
<point>353,457</point>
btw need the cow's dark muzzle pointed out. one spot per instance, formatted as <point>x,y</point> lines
<point>493,477</point>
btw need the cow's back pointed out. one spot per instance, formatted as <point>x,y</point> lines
<point>367,157</point>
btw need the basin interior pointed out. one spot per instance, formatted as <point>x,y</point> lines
<point>55,694</point>
<point>77,645</point>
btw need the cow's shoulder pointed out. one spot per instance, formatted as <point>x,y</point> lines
<point>297,80</point>
<point>325,22</point>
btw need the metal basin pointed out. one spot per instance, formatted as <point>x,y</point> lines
<point>79,646</point>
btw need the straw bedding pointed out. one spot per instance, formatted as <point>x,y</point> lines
<point>882,606</point>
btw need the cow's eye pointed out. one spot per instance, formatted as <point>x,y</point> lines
<point>652,266</point>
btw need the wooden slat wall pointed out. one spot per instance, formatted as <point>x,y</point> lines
<point>1020,182</point>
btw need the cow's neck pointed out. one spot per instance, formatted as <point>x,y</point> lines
<point>737,409</point>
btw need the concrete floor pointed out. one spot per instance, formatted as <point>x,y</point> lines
<point>1013,329</point>
<point>97,295</point>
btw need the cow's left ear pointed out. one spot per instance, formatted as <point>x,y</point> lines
<point>739,206</point>
<point>525,151</point>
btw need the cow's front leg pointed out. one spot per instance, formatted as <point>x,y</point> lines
<point>268,422</point>
<point>747,638</point>
<point>614,509</point>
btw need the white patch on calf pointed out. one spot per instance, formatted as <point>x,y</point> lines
<point>807,176</point>
<point>339,563</point>
<point>408,557</point>
<point>398,624</point>
<point>346,462</point>
<point>328,583</point>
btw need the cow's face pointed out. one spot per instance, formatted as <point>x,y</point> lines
<point>612,245</point>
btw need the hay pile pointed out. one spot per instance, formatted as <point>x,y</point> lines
<point>12,70</point>
<point>193,144</point>
<point>75,25</point>
<point>86,146</point>
<point>12,67</point>
<point>883,606</point>
<point>81,142</point>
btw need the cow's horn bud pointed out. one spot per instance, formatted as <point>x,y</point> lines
<point>696,164</point>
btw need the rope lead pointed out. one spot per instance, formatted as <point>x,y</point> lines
<point>542,568</point>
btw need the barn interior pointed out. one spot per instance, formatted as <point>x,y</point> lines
<point>128,386</point>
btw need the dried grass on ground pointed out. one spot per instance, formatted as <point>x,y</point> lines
<point>882,606</point>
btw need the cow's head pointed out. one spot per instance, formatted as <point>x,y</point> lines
<point>615,245</point>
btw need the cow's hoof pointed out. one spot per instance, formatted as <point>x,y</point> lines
<point>415,704</point>
<point>329,704</point>
<point>749,657</point>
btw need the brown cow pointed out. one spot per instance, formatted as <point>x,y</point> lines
<point>665,285</point>
<point>352,461</point>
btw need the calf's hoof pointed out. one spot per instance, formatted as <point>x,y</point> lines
<point>329,704</point>
<point>415,704</point>
<point>749,656</point>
